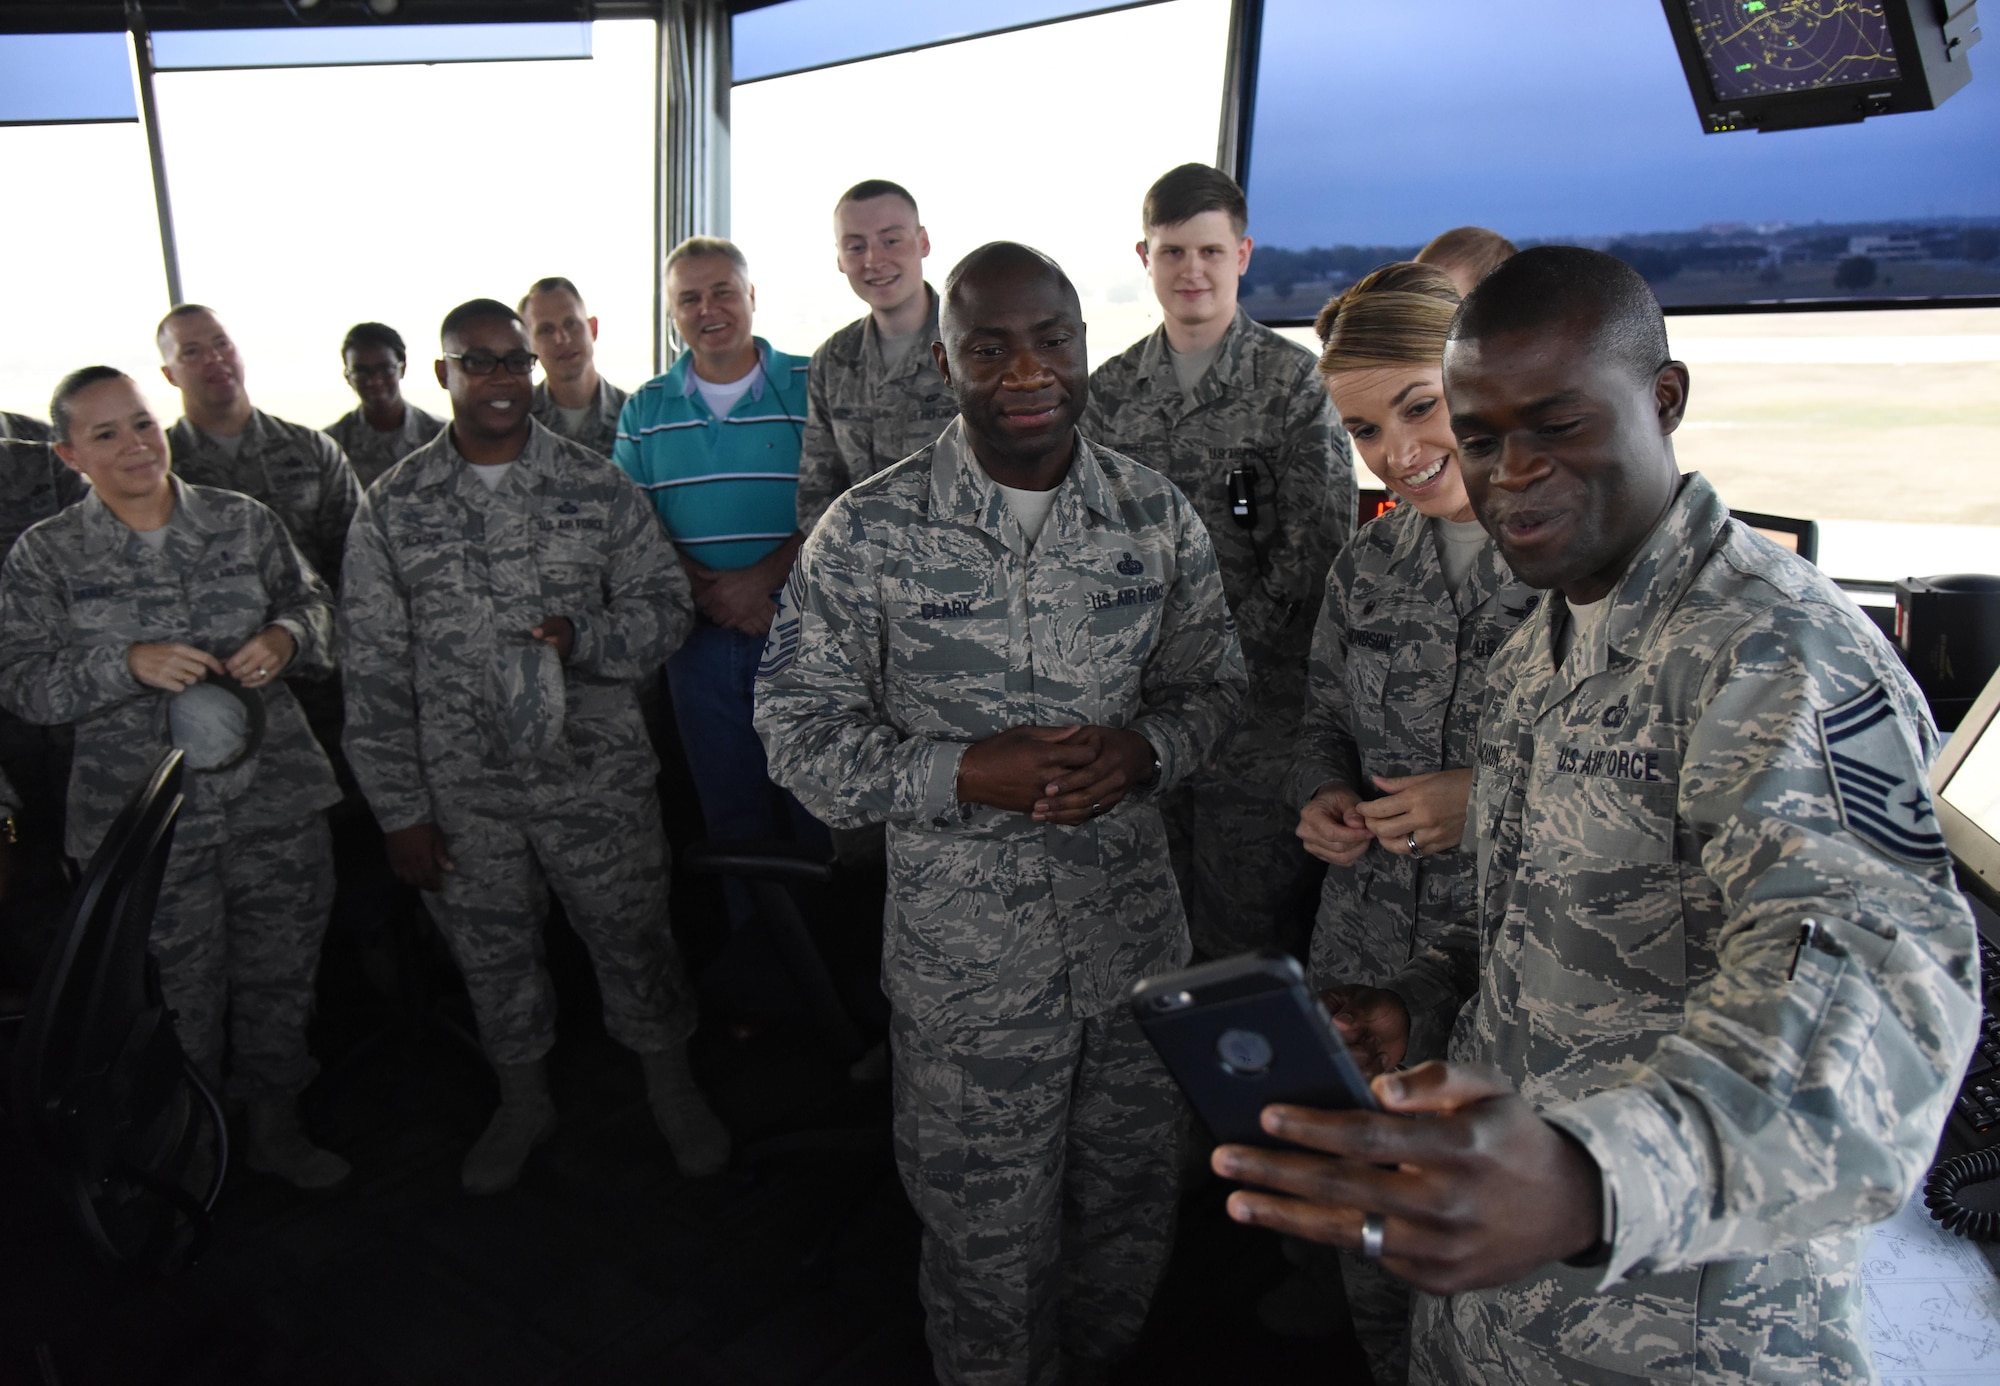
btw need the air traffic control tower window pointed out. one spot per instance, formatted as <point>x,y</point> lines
<point>1048,135</point>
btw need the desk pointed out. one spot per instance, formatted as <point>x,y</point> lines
<point>1933,1304</point>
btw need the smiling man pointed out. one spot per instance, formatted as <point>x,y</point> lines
<point>1236,417</point>
<point>505,590</point>
<point>874,393</point>
<point>572,399</point>
<point>384,428</point>
<point>715,443</point>
<point>223,440</point>
<point>1723,984</point>
<point>1005,648</point>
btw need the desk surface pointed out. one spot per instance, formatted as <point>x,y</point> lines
<point>1933,1304</point>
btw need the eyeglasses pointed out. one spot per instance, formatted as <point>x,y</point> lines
<point>483,362</point>
<point>388,370</point>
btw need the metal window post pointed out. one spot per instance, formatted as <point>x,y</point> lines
<point>694,139</point>
<point>142,58</point>
<point>1239,88</point>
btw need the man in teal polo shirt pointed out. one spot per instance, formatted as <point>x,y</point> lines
<point>715,443</point>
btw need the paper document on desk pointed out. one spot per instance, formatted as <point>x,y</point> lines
<point>1933,1304</point>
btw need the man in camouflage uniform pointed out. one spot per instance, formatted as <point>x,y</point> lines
<point>1236,417</point>
<point>249,885</point>
<point>34,485</point>
<point>223,440</point>
<point>573,401</point>
<point>384,428</point>
<point>505,590</point>
<point>1723,981</point>
<point>1008,684</point>
<point>874,395</point>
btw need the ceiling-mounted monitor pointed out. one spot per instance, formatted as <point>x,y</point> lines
<point>1792,64</point>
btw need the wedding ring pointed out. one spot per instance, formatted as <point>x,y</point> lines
<point>262,672</point>
<point>1410,841</point>
<point>1371,1236</point>
<point>1096,809</point>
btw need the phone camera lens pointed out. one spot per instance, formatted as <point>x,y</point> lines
<point>1244,1053</point>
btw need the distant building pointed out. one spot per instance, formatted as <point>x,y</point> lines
<point>1898,245</point>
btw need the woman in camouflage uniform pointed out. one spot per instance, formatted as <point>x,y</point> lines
<point>1415,606</point>
<point>110,613</point>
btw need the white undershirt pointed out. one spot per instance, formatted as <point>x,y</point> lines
<point>1580,631</point>
<point>1459,543</point>
<point>491,473</point>
<point>574,419</point>
<point>722,398</point>
<point>154,539</point>
<point>230,445</point>
<point>1190,368</point>
<point>1031,508</point>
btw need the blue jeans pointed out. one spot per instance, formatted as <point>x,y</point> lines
<point>712,680</point>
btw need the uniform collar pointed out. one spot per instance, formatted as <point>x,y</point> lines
<point>1646,595</point>
<point>961,489</point>
<point>681,379</point>
<point>917,357</point>
<point>104,532</point>
<point>443,464</point>
<point>1234,371</point>
<point>249,441</point>
<point>600,404</point>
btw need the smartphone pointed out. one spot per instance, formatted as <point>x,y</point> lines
<point>1244,1032</point>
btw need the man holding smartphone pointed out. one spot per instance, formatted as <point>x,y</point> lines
<point>1005,647</point>
<point>1723,986</point>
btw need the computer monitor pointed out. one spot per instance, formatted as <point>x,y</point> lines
<point>1965,781</point>
<point>1783,65</point>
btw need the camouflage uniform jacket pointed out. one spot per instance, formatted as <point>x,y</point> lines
<point>919,621</point>
<point>34,484</point>
<point>600,426</point>
<point>1261,407</point>
<point>1398,680</point>
<point>865,414</point>
<point>81,589</point>
<point>445,579</point>
<point>371,453</point>
<point>1737,753</point>
<point>298,471</point>
<point>23,428</point>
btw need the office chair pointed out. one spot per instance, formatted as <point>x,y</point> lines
<point>104,1098</point>
<point>1800,536</point>
<point>776,872</point>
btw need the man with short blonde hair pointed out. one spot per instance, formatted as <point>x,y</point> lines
<point>572,400</point>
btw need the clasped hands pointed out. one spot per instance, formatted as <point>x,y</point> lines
<point>173,667</point>
<point>1339,825</point>
<point>1055,774</point>
<point>1480,1192</point>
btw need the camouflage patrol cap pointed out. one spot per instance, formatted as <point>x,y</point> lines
<point>527,695</point>
<point>217,724</point>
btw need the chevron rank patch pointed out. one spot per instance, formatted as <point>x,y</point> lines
<point>781,647</point>
<point>1877,782</point>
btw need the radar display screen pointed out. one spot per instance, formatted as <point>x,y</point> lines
<point>1768,47</point>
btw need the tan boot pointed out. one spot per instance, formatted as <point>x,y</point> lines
<point>278,1146</point>
<point>699,1139</point>
<point>524,1120</point>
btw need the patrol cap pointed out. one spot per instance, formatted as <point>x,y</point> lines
<point>528,697</point>
<point>215,724</point>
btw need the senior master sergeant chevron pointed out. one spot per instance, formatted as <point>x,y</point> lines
<point>1005,646</point>
<point>1723,980</point>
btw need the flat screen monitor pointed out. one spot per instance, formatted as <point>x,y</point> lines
<point>1966,783</point>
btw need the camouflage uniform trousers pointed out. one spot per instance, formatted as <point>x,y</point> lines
<point>606,860</point>
<point>1048,1191</point>
<point>1245,879</point>
<point>237,933</point>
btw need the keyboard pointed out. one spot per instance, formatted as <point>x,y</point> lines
<point>1975,1116</point>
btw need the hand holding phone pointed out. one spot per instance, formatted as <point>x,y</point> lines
<point>1244,1032</point>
